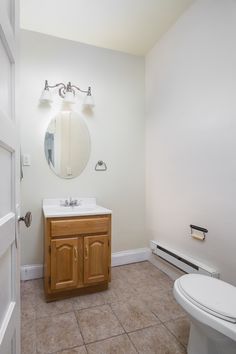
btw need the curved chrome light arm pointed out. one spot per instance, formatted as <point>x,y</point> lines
<point>63,89</point>
<point>84,91</point>
<point>46,86</point>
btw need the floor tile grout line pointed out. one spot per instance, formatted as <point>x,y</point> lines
<point>55,314</point>
<point>75,346</point>
<point>77,320</point>
<point>140,329</point>
<point>172,320</point>
<point>103,339</point>
<point>87,308</point>
<point>117,318</point>
<point>133,342</point>
<point>156,315</point>
<point>137,329</point>
<point>68,348</point>
<point>174,335</point>
<point>62,350</point>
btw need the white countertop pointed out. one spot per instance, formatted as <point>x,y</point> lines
<point>87,206</point>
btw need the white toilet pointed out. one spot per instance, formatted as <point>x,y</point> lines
<point>211,306</point>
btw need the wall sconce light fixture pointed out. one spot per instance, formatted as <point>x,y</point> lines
<point>67,92</point>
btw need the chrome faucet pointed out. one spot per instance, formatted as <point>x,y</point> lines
<point>74,202</point>
<point>71,202</point>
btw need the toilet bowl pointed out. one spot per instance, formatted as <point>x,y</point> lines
<point>211,306</point>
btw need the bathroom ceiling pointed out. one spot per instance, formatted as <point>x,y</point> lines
<point>131,26</point>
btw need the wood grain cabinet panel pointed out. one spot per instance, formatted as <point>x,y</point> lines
<point>64,263</point>
<point>79,226</point>
<point>96,267</point>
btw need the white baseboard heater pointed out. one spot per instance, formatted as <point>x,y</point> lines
<point>181,261</point>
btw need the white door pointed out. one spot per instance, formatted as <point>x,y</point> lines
<point>9,183</point>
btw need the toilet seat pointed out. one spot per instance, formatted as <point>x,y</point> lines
<point>210,294</point>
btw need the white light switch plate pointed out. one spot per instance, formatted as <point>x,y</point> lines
<point>26,160</point>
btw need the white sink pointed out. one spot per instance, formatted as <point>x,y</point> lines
<point>76,208</point>
<point>87,206</point>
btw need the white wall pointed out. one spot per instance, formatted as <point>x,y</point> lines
<point>191,134</point>
<point>116,129</point>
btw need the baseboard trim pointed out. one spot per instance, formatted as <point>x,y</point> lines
<point>130,256</point>
<point>35,271</point>
<point>31,271</point>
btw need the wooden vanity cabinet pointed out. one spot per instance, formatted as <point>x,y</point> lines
<point>77,255</point>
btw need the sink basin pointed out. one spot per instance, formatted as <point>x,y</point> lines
<point>75,208</point>
<point>87,206</point>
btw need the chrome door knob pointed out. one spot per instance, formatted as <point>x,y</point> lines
<point>27,219</point>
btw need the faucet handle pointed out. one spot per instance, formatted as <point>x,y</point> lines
<point>64,202</point>
<point>75,202</point>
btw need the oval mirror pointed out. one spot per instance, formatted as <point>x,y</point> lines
<point>67,144</point>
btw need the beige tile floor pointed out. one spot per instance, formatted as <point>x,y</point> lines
<point>138,314</point>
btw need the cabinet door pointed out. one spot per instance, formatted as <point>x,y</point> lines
<point>64,263</point>
<point>95,259</point>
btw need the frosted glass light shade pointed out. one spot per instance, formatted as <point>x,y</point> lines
<point>46,96</point>
<point>89,101</point>
<point>69,97</point>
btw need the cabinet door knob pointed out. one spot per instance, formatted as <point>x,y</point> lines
<point>27,219</point>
